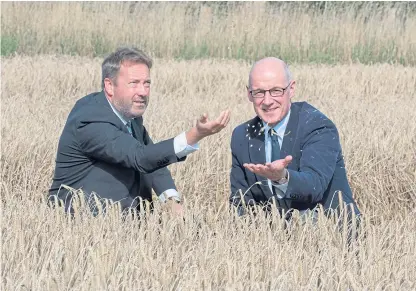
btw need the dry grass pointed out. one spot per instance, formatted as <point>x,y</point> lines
<point>343,32</point>
<point>373,106</point>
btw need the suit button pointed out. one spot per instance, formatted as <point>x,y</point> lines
<point>294,196</point>
<point>163,162</point>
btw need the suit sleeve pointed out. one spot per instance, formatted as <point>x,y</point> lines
<point>103,140</point>
<point>319,156</point>
<point>238,179</point>
<point>161,178</point>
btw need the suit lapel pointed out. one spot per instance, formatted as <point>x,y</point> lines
<point>290,135</point>
<point>256,141</point>
<point>137,125</point>
<point>256,149</point>
<point>102,100</point>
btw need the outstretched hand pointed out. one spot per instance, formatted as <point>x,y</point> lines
<point>273,171</point>
<point>207,127</point>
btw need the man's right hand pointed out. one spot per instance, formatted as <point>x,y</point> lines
<point>205,127</point>
<point>273,171</point>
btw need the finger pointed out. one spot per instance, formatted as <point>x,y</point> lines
<point>220,117</point>
<point>254,165</point>
<point>249,168</point>
<point>255,168</point>
<point>248,164</point>
<point>227,119</point>
<point>260,168</point>
<point>203,118</point>
<point>223,118</point>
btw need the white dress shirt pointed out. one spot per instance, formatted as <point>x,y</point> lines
<point>181,148</point>
<point>280,129</point>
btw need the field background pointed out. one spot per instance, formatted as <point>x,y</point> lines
<point>353,61</point>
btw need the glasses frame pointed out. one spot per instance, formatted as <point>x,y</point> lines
<point>264,91</point>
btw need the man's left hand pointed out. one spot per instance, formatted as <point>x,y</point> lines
<point>176,208</point>
<point>273,171</point>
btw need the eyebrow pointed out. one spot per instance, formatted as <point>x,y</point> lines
<point>277,87</point>
<point>138,80</point>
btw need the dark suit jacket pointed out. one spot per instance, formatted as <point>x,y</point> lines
<point>317,171</point>
<point>97,154</point>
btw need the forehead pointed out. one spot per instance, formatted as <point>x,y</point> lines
<point>267,78</point>
<point>134,71</point>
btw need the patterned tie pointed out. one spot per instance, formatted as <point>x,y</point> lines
<point>128,125</point>
<point>282,204</point>
<point>275,145</point>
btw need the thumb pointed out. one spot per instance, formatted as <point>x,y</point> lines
<point>203,118</point>
<point>287,160</point>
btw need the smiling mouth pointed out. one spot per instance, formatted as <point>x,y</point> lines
<point>270,109</point>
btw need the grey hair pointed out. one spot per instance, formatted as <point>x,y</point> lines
<point>112,63</point>
<point>288,73</point>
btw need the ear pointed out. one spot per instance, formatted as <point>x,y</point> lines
<point>109,87</point>
<point>250,98</point>
<point>292,89</point>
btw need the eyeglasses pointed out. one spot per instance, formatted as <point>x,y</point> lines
<point>274,92</point>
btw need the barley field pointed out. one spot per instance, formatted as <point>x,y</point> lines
<point>373,106</point>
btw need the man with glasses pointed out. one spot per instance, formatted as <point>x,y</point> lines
<point>289,155</point>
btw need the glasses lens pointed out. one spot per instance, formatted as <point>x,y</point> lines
<point>276,92</point>
<point>257,94</point>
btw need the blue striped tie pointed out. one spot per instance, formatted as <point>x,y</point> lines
<point>275,145</point>
<point>128,124</point>
<point>282,204</point>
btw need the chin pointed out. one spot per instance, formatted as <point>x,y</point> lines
<point>137,112</point>
<point>270,119</point>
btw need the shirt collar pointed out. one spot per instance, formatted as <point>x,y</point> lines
<point>280,128</point>
<point>122,118</point>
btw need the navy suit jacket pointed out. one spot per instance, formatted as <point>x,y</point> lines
<point>96,153</point>
<point>317,171</point>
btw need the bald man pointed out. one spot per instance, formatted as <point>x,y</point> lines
<point>290,152</point>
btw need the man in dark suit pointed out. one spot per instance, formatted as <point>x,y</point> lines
<point>289,155</point>
<point>105,149</point>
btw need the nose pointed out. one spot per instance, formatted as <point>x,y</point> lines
<point>142,90</point>
<point>268,100</point>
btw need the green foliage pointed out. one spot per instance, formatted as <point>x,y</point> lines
<point>9,44</point>
<point>100,46</point>
<point>359,32</point>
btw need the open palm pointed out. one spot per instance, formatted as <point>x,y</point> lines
<point>273,171</point>
<point>207,127</point>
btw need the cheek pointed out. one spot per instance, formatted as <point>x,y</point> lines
<point>257,107</point>
<point>126,94</point>
<point>285,102</point>
<point>120,93</point>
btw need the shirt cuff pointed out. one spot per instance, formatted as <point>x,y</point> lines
<point>170,193</point>
<point>182,149</point>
